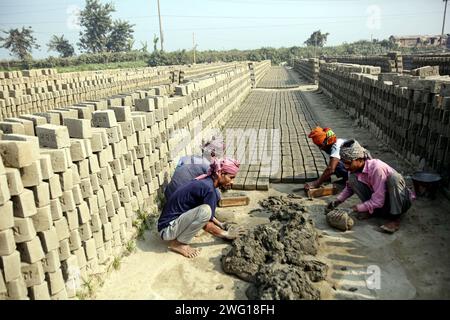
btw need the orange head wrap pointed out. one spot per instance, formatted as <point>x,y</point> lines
<point>322,136</point>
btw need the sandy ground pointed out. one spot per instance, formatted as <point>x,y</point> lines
<point>414,263</point>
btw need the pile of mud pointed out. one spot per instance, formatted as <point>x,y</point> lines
<point>278,257</point>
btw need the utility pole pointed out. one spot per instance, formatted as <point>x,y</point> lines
<point>194,46</point>
<point>160,29</point>
<point>315,44</point>
<point>443,22</point>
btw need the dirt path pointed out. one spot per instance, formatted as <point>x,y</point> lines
<point>414,263</point>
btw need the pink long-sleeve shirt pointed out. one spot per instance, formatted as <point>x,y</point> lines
<point>374,174</point>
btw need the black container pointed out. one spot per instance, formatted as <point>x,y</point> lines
<point>426,184</point>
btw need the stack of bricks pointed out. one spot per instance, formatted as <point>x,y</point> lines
<point>308,68</point>
<point>392,62</point>
<point>73,179</point>
<point>30,91</point>
<point>258,70</point>
<point>440,60</point>
<point>410,113</point>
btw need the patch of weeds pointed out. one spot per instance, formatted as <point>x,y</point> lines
<point>81,295</point>
<point>89,286</point>
<point>116,263</point>
<point>131,246</point>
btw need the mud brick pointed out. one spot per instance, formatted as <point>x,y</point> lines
<point>94,183</point>
<point>24,205</point>
<point>33,274</point>
<point>92,266</point>
<point>10,265</point>
<point>96,223</point>
<point>110,208</point>
<point>79,128</point>
<point>59,159</point>
<point>54,186</point>
<point>104,119</point>
<point>55,281</point>
<point>4,189</point>
<point>127,128</point>
<point>42,220</point>
<point>39,292</point>
<point>24,230</point>
<point>72,219</point>
<point>55,209</point>
<point>114,134</point>
<point>31,175</point>
<point>101,198</point>
<point>92,203</point>
<point>46,166</point>
<point>33,141</point>
<point>74,240</point>
<point>86,188</point>
<point>27,125</point>
<point>145,105</point>
<point>105,156</point>
<point>139,121</point>
<point>117,239</point>
<point>83,212</point>
<point>75,175</point>
<point>67,201</point>
<point>17,154</point>
<point>6,215</point>
<point>41,194</point>
<point>93,165</point>
<point>84,112</point>
<point>12,127</point>
<point>37,120</point>
<point>119,181</point>
<point>31,251</point>
<point>17,290</point>
<point>78,150</point>
<point>83,168</point>
<point>49,239</point>
<point>52,118</point>
<point>77,196</point>
<point>107,232</point>
<point>90,249</point>
<point>64,250</point>
<point>62,228</point>
<point>107,190</point>
<point>85,232</point>
<point>81,256</point>
<point>122,113</point>
<point>53,136</point>
<point>103,214</point>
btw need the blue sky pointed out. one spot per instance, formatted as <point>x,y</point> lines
<point>235,24</point>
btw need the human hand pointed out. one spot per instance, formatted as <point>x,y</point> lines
<point>311,185</point>
<point>355,208</point>
<point>332,205</point>
<point>227,225</point>
<point>235,232</point>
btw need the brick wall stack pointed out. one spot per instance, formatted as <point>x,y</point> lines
<point>308,68</point>
<point>441,60</point>
<point>258,70</point>
<point>392,62</point>
<point>411,113</point>
<point>72,180</point>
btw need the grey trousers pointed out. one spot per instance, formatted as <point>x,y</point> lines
<point>397,199</point>
<point>186,226</point>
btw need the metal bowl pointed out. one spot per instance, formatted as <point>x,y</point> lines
<point>426,184</point>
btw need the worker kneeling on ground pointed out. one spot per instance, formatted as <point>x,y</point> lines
<point>192,166</point>
<point>380,188</point>
<point>192,207</point>
<point>327,141</point>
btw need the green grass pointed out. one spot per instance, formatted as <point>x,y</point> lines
<point>103,66</point>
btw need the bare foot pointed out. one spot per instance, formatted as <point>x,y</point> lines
<point>391,226</point>
<point>183,249</point>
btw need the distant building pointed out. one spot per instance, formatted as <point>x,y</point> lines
<point>420,41</point>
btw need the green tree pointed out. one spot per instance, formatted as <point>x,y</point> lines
<point>120,37</point>
<point>155,42</point>
<point>19,42</point>
<point>62,46</point>
<point>96,22</point>
<point>317,39</point>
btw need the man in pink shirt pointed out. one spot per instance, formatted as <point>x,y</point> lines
<point>380,188</point>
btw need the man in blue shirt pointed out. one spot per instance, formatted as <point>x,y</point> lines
<point>192,207</point>
<point>190,167</point>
